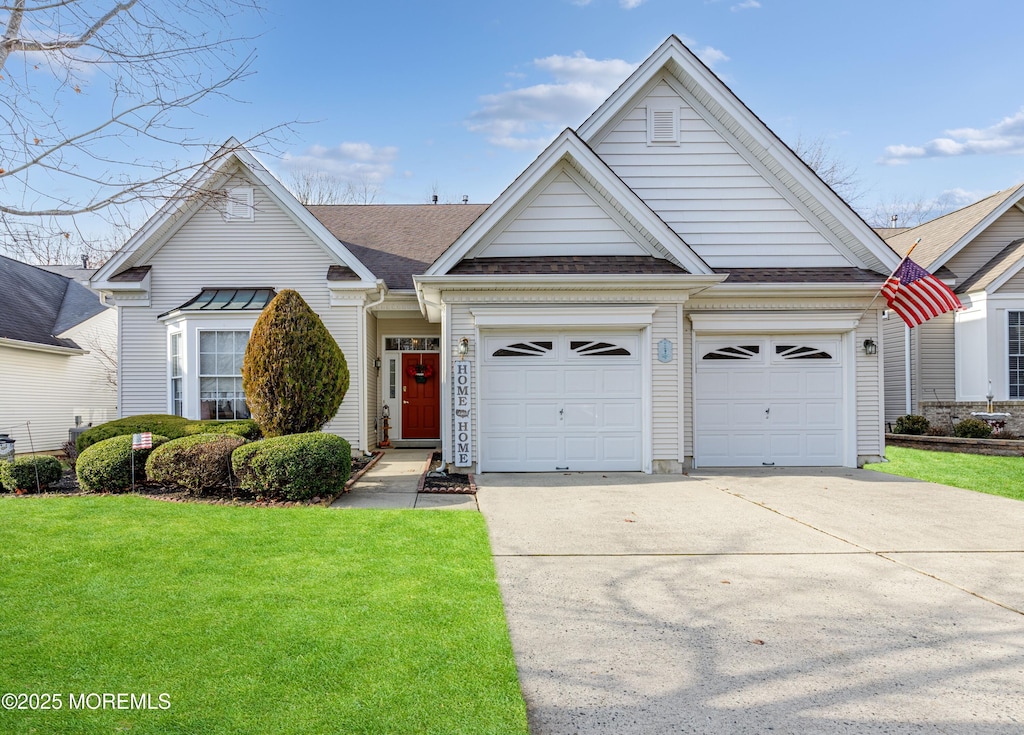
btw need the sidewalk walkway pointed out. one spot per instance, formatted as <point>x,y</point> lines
<point>392,483</point>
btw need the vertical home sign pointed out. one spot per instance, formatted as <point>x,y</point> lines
<point>463,418</point>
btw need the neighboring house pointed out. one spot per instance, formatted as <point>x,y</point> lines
<point>668,285</point>
<point>58,352</point>
<point>945,368</point>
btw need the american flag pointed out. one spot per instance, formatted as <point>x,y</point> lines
<point>143,440</point>
<point>916,295</point>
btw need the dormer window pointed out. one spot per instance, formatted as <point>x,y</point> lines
<point>662,126</point>
<point>238,207</point>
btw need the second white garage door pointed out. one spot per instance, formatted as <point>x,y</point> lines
<point>769,401</point>
<point>561,401</point>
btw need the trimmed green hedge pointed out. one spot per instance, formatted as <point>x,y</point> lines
<point>911,424</point>
<point>196,463</point>
<point>21,473</point>
<point>972,428</point>
<point>172,427</point>
<point>294,467</point>
<point>106,466</point>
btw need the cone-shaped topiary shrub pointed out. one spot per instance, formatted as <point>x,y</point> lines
<point>24,472</point>
<point>294,374</point>
<point>106,466</point>
<point>196,463</point>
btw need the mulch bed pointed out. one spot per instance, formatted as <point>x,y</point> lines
<point>68,485</point>
<point>436,480</point>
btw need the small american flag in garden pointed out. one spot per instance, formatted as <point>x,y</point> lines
<point>916,295</point>
<point>143,440</point>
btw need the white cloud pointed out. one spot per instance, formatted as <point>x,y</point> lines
<point>350,162</point>
<point>1006,137</point>
<point>528,118</point>
<point>745,5</point>
<point>630,4</point>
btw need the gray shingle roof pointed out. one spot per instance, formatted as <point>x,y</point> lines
<point>397,241</point>
<point>568,264</point>
<point>942,233</point>
<point>801,275</point>
<point>36,305</point>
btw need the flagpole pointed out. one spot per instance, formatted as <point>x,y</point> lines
<point>879,292</point>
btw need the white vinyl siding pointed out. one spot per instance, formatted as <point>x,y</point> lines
<point>936,366</point>
<point>374,374</point>
<point>894,350</point>
<point>562,219</point>
<point>870,397</point>
<point>710,195</point>
<point>1014,285</point>
<point>665,386</point>
<point>47,390</point>
<point>207,252</point>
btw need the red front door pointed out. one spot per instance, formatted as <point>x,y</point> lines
<point>421,401</point>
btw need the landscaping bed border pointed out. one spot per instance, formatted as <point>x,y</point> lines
<point>990,447</point>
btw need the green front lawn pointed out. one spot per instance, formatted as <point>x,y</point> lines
<point>252,620</point>
<point>994,475</point>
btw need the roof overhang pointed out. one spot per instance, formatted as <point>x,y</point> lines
<point>430,288</point>
<point>36,347</point>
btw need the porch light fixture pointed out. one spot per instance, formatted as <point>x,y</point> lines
<point>463,347</point>
<point>376,362</point>
<point>870,348</point>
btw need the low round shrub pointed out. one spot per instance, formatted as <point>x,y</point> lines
<point>972,429</point>
<point>157,423</point>
<point>21,473</point>
<point>295,466</point>
<point>196,463</point>
<point>106,466</point>
<point>245,428</point>
<point>167,425</point>
<point>937,431</point>
<point>911,424</point>
<point>1004,434</point>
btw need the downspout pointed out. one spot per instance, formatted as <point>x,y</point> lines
<point>364,372</point>
<point>906,368</point>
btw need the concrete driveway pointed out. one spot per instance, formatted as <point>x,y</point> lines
<point>838,601</point>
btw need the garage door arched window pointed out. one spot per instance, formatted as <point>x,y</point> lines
<point>587,348</point>
<point>524,349</point>
<point>733,352</point>
<point>801,352</point>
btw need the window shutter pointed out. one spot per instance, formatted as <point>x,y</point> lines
<point>662,125</point>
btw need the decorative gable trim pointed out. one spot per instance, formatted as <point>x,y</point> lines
<point>619,201</point>
<point>208,179</point>
<point>756,142</point>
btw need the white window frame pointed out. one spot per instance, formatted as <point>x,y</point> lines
<point>1010,355</point>
<point>176,336</point>
<point>189,325</point>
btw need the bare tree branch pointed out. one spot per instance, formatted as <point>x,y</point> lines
<point>837,173</point>
<point>312,186</point>
<point>94,99</point>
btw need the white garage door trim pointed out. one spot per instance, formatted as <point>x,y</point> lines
<point>805,378</point>
<point>612,405</point>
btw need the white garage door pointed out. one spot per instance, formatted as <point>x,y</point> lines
<point>561,401</point>
<point>769,401</point>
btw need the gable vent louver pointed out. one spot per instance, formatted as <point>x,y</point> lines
<point>663,126</point>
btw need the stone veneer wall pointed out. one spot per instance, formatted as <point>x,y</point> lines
<point>947,413</point>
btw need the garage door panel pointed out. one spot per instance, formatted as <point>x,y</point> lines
<point>502,416</point>
<point>539,416</point>
<point>541,382</point>
<point>824,384</point>
<point>503,382</point>
<point>580,403</point>
<point>620,416</point>
<point>541,449</point>
<point>784,405</point>
<point>823,414</point>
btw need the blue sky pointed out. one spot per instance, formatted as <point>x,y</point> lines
<point>921,98</point>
